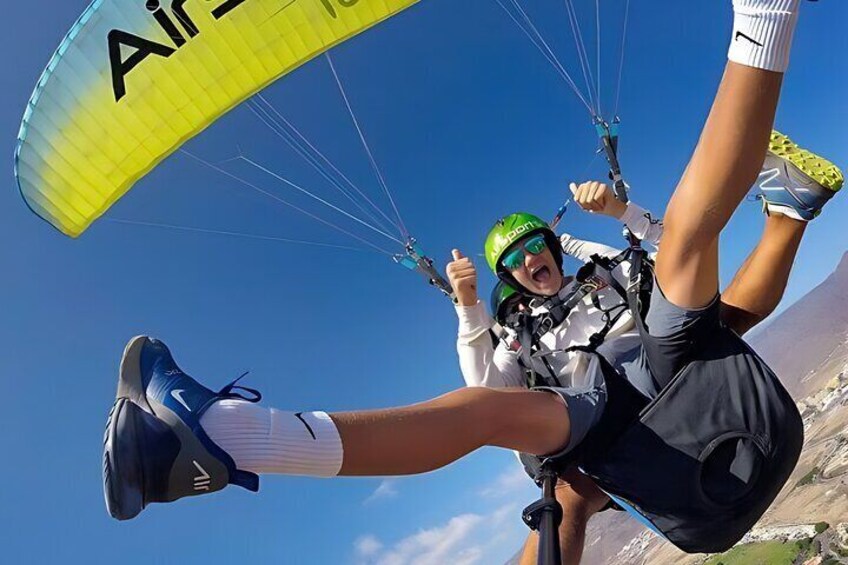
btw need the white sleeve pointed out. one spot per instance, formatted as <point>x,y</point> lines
<point>583,250</point>
<point>481,363</point>
<point>642,224</point>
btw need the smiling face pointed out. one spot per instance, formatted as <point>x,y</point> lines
<point>539,273</point>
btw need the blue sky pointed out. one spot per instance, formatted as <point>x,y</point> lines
<point>468,123</point>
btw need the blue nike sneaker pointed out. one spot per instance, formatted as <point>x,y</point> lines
<point>154,447</point>
<point>795,182</point>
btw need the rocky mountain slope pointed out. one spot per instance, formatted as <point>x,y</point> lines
<point>802,337</point>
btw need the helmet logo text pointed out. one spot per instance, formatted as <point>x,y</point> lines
<point>506,239</point>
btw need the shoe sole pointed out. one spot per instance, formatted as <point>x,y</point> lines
<point>819,169</point>
<point>122,469</point>
<point>123,477</point>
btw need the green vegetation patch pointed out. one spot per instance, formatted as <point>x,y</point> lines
<point>805,546</point>
<point>809,477</point>
<point>766,553</point>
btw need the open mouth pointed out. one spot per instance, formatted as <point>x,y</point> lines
<point>540,275</point>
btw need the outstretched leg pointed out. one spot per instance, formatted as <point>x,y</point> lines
<point>169,437</point>
<point>725,164</point>
<point>731,149</point>
<point>426,436</point>
<point>395,441</point>
<point>684,310</point>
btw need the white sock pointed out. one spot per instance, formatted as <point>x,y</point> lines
<point>264,440</point>
<point>762,33</point>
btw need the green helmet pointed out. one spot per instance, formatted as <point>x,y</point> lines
<point>512,228</point>
<point>503,299</point>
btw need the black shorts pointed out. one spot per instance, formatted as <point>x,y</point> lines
<point>674,336</point>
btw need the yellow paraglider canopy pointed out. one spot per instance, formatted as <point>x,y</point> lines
<point>135,79</point>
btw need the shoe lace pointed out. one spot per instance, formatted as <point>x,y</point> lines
<point>761,199</point>
<point>229,390</point>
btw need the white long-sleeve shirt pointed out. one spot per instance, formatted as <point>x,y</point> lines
<point>642,224</point>
<point>484,364</point>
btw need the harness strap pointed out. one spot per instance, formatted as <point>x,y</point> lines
<point>634,289</point>
<point>529,343</point>
<point>603,270</point>
<point>590,278</point>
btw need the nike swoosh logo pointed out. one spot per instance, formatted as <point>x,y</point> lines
<point>299,416</point>
<point>178,396</point>
<point>748,37</point>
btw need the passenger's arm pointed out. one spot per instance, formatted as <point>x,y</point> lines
<point>642,223</point>
<point>598,198</point>
<point>481,362</point>
<point>583,250</point>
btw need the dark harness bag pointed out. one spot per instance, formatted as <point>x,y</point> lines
<point>708,456</point>
<point>702,461</point>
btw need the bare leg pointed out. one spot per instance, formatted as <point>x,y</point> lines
<point>580,499</point>
<point>725,164</point>
<point>531,548</point>
<point>758,285</point>
<point>430,435</point>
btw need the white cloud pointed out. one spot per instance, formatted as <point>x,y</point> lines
<point>467,539</point>
<point>510,482</point>
<point>445,544</point>
<point>491,536</point>
<point>504,514</point>
<point>367,546</point>
<point>386,489</point>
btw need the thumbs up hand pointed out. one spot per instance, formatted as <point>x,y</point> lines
<point>463,278</point>
<point>596,197</point>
